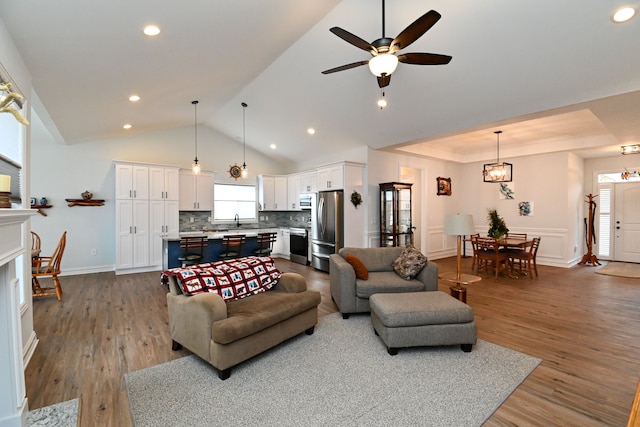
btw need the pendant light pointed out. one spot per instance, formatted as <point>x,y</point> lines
<point>245,172</point>
<point>195,168</point>
<point>498,171</point>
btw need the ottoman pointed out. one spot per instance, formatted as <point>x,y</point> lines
<point>416,319</point>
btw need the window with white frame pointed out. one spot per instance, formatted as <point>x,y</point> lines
<point>230,200</point>
<point>604,221</point>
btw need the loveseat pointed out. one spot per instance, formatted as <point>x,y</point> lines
<point>227,332</point>
<point>351,294</point>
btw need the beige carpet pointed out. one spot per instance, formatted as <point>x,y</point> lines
<point>621,269</point>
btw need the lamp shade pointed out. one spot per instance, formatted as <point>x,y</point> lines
<point>459,225</point>
<point>384,63</point>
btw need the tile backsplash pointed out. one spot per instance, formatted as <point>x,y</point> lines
<point>197,221</point>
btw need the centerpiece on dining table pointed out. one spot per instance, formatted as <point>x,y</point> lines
<point>497,226</point>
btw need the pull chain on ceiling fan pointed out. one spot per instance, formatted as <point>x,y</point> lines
<point>383,50</point>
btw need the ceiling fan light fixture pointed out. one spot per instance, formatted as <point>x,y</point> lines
<point>382,102</point>
<point>384,63</point>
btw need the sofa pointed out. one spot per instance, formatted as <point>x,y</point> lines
<point>227,332</point>
<point>351,294</point>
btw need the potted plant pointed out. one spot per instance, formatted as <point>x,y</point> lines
<point>497,227</point>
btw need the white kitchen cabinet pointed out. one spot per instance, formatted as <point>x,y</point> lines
<point>272,192</point>
<point>293,192</point>
<point>132,181</point>
<point>146,211</point>
<point>163,221</point>
<point>132,234</point>
<point>331,178</point>
<point>196,191</point>
<point>286,242</point>
<point>309,182</point>
<point>164,183</point>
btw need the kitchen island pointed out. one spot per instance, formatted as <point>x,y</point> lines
<point>171,246</point>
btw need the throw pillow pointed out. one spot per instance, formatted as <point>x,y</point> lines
<point>361,271</point>
<point>409,263</point>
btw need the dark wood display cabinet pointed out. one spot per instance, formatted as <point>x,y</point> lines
<point>395,214</point>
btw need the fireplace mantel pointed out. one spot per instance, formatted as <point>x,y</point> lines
<point>14,243</point>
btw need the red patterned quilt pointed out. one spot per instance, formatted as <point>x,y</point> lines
<point>231,280</point>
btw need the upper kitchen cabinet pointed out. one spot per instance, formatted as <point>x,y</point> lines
<point>132,181</point>
<point>164,183</point>
<point>331,177</point>
<point>272,192</point>
<point>293,192</point>
<point>309,182</point>
<point>196,191</point>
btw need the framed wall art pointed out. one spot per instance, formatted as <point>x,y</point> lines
<point>444,186</point>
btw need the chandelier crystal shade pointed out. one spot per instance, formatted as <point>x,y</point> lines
<point>196,167</point>
<point>498,171</point>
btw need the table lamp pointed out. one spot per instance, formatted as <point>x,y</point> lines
<point>459,225</point>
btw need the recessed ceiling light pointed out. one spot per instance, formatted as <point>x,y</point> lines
<point>151,30</point>
<point>127,126</point>
<point>311,131</point>
<point>272,146</point>
<point>623,14</point>
<point>134,98</point>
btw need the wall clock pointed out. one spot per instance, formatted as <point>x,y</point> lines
<point>235,171</point>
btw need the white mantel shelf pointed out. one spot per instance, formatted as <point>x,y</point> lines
<point>14,242</point>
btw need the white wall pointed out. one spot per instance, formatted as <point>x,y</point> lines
<point>62,172</point>
<point>553,182</point>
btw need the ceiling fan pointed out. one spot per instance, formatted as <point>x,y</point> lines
<point>383,50</point>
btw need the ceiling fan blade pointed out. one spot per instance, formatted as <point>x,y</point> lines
<point>354,40</point>
<point>384,81</point>
<point>415,30</point>
<point>424,58</point>
<point>345,67</point>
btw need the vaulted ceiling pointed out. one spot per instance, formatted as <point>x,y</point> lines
<point>551,75</point>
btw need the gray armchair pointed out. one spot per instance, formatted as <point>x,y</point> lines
<point>351,295</point>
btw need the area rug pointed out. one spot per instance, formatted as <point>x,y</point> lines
<point>63,414</point>
<point>621,269</point>
<point>341,375</point>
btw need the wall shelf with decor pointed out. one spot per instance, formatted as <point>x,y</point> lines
<point>40,207</point>
<point>84,202</point>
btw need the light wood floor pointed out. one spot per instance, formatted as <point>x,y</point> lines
<point>584,326</point>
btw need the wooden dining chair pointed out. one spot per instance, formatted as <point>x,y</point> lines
<point>474,249</point>
<point>48,266</point>
<point>35,245</point>
<point>232,246</point>
<point>526,256</point>
<point>489,255</point>
<point>265,243</point>
<point>192,250</point>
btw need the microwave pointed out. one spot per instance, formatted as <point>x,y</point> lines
<point>305,201</point>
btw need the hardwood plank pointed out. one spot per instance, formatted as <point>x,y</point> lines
<point>584,326</point>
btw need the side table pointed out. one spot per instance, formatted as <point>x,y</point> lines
<point>458,290</point>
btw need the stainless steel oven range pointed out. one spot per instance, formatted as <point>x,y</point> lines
<point>299,245</point>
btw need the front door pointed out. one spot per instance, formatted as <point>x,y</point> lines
<point>627,222</point>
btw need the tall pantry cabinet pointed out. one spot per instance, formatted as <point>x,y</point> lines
<point>146,211</point>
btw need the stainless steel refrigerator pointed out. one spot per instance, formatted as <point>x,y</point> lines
<point>327,227</point>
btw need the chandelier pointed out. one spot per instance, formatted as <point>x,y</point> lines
<point>498,171</point>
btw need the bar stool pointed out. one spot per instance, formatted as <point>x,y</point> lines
<point>231,246</point>
<point>192,250</point>
<point>265,243</point>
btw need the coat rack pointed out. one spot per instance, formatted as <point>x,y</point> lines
<point>589,257</point>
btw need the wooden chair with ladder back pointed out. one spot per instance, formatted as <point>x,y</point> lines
<point>265,243</point>
<point>192,248</point>
<point>526,256</point>
<point>48,266</point>
<point>488,255</point>
<point>231,246</point>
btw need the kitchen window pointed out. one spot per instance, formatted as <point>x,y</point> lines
<point>230,200</point>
